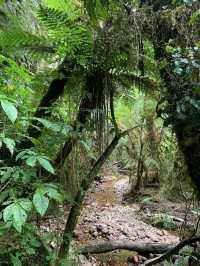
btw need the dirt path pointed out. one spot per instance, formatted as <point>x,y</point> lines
<point>105,216</point>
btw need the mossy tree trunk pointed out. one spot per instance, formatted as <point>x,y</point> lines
<point>78,202</point>
<point>186,127</point>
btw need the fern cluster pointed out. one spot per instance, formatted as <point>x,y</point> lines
<point>60,33</point>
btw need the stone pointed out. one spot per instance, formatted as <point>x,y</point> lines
<point>95,234</point>
<point>103,228</point>
<point>92,229</point>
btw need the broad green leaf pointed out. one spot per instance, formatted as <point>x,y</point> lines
<point>15,213</point>
<point>6,174</point>
<point>25,154</point>
<point>10,144</point>
<point>31,161</point>
<point>10,110</point>
<point>54,194</point>
<point>19,217</point>
<point>35,243</point>
<point>8,212</point>
<point>40,202</point>
<point>15,261</point>
<point>26,204</point>
<point>46,164</point>
<point>50,125</point>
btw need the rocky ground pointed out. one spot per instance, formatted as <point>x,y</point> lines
<point>106,216</point>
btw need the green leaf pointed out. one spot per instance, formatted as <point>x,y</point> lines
<point>6,174</point>
<point>54,194</point>
<point>40,202</point>
<point>25,154</point>
<point>26,204</point>
<point>10,144</point>
<point>31,161</point>
<point>8,212</point>
<point>19,217</point>
<point>10,110</point>
<point>46,164</point>
<point>15,213</point>
<point>194,17</point>
<point>15,261</point>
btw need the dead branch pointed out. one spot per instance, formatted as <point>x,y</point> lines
<point>174,250</point>
<point>140,247</point>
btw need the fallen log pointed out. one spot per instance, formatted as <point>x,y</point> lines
<point>173,250</point>
<point>140,247</point>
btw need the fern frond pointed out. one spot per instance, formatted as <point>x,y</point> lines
<point>13,39</point>
<point>53,18</point>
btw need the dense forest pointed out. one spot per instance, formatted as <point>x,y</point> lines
<point>100,132</point>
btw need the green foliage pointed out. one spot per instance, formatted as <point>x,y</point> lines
<point>42,195</point>
<point>97,37</point>
<point>10,110</point>
<point>146,200</point>
<point>32,158</point>
<point>15,261</point>
<point>16,213</point>
<point>186,254</point>
<point>163,221</point>
<point>10,144</point>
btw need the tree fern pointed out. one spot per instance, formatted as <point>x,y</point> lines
<point>16,39</point>
<point>59,34</point>
<point>53,18</point>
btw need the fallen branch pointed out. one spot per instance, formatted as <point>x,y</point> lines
<point>108,246</point>
<point>172,251</point>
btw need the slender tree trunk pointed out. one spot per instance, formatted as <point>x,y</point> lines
<point>76,207</point>
<point>139,171</point>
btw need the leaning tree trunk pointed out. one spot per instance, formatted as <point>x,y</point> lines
<point>78,202</point>
<point>54,92</point>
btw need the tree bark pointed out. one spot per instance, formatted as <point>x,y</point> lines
<point>187,128</point>
<point>76,207</point>
<point>54,92</point>
<point>94,93</point>
<point>172,251</point>
<point>108,246</point>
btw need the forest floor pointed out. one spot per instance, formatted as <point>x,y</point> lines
<point>106,216</point>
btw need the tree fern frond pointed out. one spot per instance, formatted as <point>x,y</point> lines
<point>53,18</point>
<point>73,8</point>
<point>13,39</point>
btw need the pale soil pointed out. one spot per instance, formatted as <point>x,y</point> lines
<point>106,216</point>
